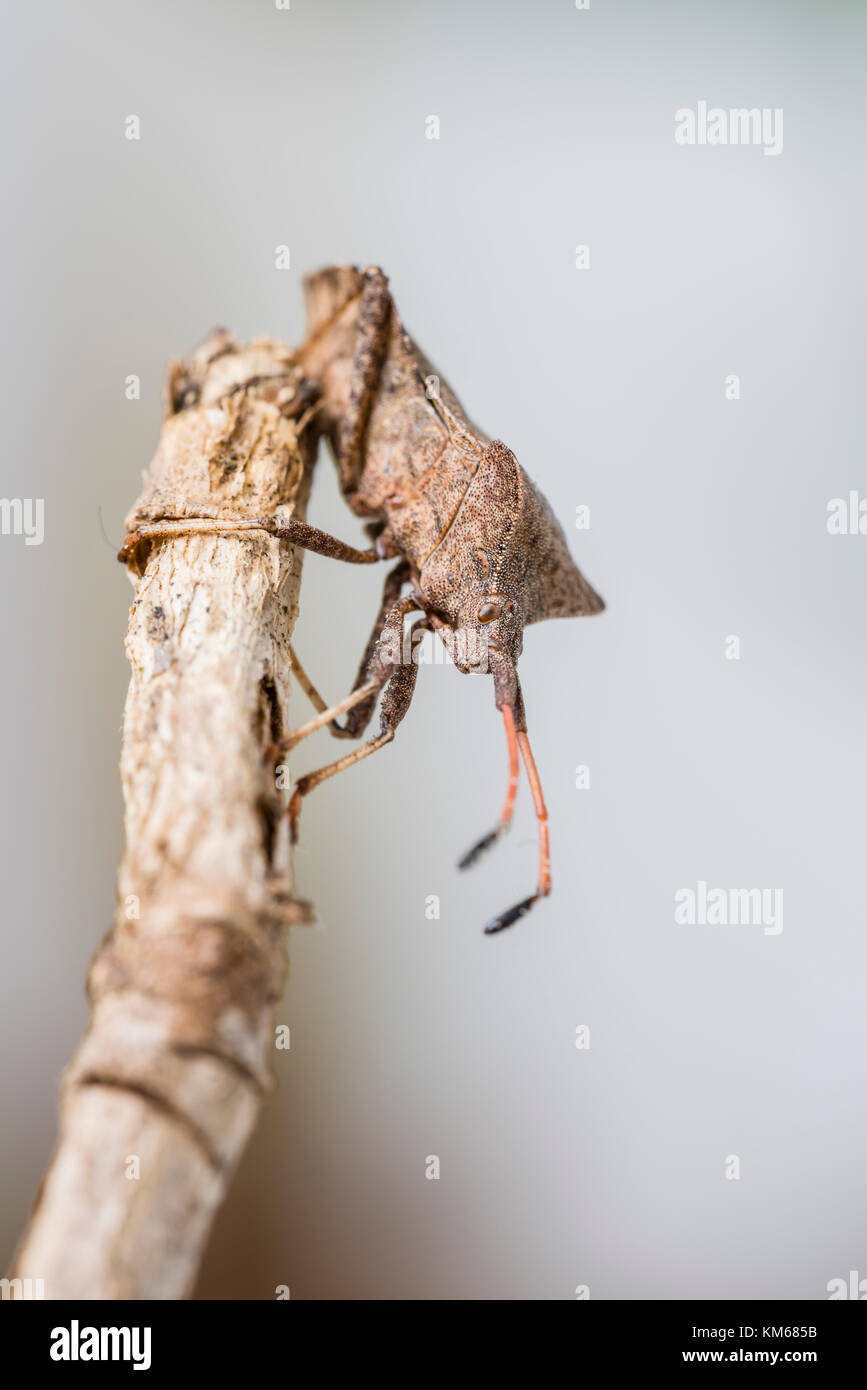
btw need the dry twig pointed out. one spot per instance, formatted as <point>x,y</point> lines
<point>160,1098</point>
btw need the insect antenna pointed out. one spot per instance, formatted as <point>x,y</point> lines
<point>543,887</point>
<point>473,855</point>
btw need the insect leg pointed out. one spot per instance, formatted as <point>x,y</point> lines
<point>369,679</point>
<point>305,682</point>
<point>326,713</point>
<point>374,320</point>
<point>395,703</point>
<point>362,713</point>
<point>326,716</point>
<point>284,528</point>
<point>473,855</point>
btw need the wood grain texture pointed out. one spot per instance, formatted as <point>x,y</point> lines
<point>174,1068</point>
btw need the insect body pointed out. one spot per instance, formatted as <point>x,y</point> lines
<point>478,549</point>
<point>479,545</point>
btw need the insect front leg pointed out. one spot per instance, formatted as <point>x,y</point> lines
<point>361,700</point>
<point>360,716</point>
<point>399,687</point>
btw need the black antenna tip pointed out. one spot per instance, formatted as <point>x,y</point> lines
<point>514,914</point>
<point>473,855</point>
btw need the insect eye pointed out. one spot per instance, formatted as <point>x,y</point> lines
<point>488,612</point>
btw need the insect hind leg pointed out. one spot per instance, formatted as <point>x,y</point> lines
<point>371,344</point>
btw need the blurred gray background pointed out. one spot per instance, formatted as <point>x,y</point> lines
<point>410,1037</point>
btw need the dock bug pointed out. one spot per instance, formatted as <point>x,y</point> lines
<point>476,543</point>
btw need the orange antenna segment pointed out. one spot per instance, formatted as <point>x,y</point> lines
<point>544,885</point>
<point>505,820</point>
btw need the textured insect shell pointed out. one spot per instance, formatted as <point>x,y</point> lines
<point>472,523</point>
<point>417,470</point>
<point>506,541</point>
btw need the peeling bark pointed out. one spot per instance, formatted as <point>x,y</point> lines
<point>170,1078</point>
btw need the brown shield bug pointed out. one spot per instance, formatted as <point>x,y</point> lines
<point>476,544</point>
